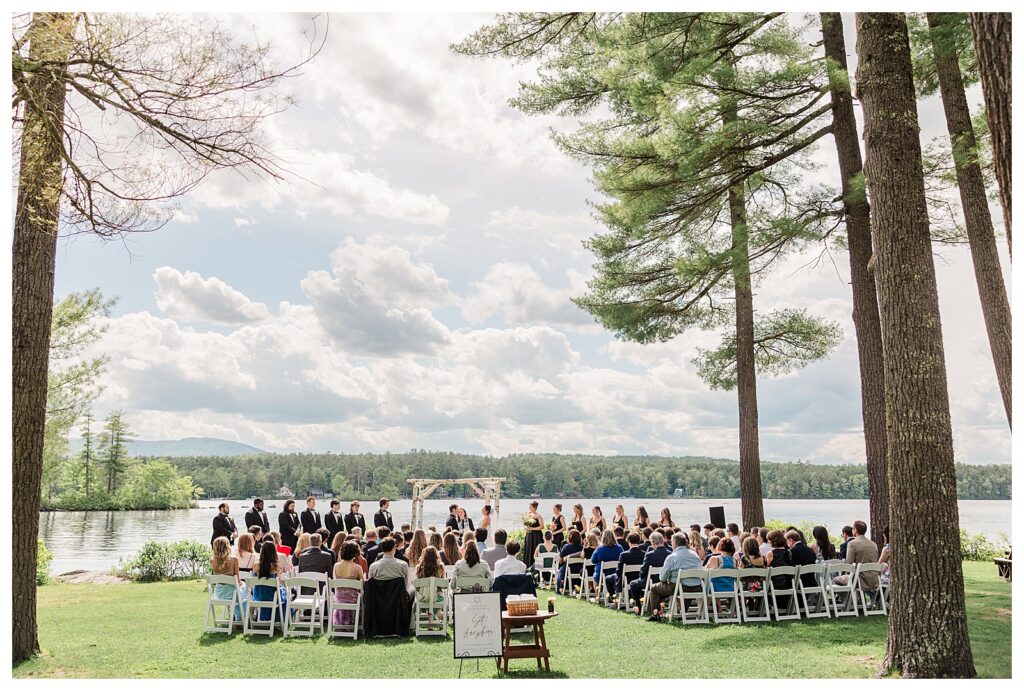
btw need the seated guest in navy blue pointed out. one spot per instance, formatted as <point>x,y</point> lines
<point>573,547</point>
<point>634,556</point>
<point>608,551</point>
<point>655,556</point>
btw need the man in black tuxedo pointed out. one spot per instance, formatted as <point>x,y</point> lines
<point>802,555</point>
<point>256,516</point>
<point>333,521</point>
<point>311,517</point>
<point>223,524</point>
<point>453,519</point>
<point>655,556</point>
<point>847,533</point>
<point>383,517</point>
<point>354,519</point>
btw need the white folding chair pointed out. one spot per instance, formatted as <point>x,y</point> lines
<point>546,566</point>
<point>604,593</point>
<point>321,579</point>
<point>813,598</point>
<point>731,598</point>
<point>431,606</point>
<point>792,610</point>
<point>678,604</point>
<point>254,607</point>
<point>212,623</point>
<point>355,607</point>
<point>871,602</point>
<point>753,590</point>
<point>303,611</point>
<point>628,572</point>
<point>572,579</point>
<point>652,573</point>
<point>589,583</point>
<point>470,582</point>
<point>842,597</point>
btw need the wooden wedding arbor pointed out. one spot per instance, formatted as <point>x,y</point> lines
<point>487,487</point>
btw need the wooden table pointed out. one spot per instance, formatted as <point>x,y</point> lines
<point>538,649</point>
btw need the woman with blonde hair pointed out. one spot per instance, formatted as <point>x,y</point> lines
<point>578,523</point>
<point>415,549</point>
<point>301,546</point>
<point>222,563</point>
<point>696,545</point>
<point>246,553</point>
<point>620,517</point>
<point>450,549</point>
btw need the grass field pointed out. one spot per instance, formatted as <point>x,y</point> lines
<point>154,630</point>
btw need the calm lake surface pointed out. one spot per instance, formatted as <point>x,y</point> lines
<point>96,540</point>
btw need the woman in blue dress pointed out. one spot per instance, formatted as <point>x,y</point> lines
<point>723,558</point>
<point>223,564</point>
<point>267,567</point>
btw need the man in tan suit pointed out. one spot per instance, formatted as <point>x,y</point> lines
<point>861,550</point>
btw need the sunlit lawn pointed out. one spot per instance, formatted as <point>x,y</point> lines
<point>154,630</point>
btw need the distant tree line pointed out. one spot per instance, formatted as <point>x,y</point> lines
<point>370,476</point>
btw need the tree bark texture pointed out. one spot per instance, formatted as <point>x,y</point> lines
<point>927,619</point>
<point>995,307</point>
<point>35,244</point>
<point>993,44</point>
<point>866,322</point>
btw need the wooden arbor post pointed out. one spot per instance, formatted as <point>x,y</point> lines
<point>487,487</point>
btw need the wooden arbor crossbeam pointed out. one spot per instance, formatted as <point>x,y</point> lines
<point>487,487</point>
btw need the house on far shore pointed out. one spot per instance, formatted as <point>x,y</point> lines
<point>317,492</point>
<point>678,493</point>
<point>285,492</point>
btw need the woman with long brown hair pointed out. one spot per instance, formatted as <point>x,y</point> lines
<point>666,519</point>
<point>559,526</point>
<point>222,563</point>
<point>346,568</point>
<point>642,519</point>
<point>578,523</point>
<point>416,547</point>
<point>450,549</point>
<point>247,553</point>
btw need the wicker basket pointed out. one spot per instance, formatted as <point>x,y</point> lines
<point>521,608</point>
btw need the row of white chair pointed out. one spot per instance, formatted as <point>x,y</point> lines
<point>311,612</point>
<point>753,597</point>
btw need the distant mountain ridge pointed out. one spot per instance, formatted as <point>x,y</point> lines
<point>187,446</point>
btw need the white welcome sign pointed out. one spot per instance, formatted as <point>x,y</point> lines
<point>477,625</point>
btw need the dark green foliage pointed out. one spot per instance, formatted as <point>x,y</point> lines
<point>371,476</point>
<point>43,559</point>
<point>954,36</point>
<point>168,561</point>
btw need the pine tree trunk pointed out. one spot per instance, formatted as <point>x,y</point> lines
<point>927,619</point>
<point>866,321</point>
<point>33,256</point>
<point>987,271</point>
<point>751,497</point>
<point>993,44</point>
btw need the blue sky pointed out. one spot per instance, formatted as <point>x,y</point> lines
<point>413,290</point>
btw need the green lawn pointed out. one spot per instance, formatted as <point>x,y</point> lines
<point>153,630</point>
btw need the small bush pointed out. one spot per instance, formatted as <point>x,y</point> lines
<point>977,547</point>
<point>43,559</point>
<point>168,561</point>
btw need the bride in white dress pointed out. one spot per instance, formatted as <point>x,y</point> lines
<point>485,522</point>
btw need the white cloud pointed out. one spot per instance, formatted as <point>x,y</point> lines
<point>191,297</point>
<point>519,293</point>
<point>562,232</point>
<point>376,299</point>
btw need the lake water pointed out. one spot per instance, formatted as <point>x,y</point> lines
<point>96,540</point>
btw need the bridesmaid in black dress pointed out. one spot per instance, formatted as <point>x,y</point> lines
<point>620,517</point>
<point>642,519</point>
<point>578,522</point>
<point>560,527</point>
<point>534,525</point>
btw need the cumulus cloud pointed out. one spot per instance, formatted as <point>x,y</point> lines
<point>519,293</point>
<point>191,297</point>
<point>376,301</point>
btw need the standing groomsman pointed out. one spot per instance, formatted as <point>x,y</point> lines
<point>383,517</point>
<point>354,519</point>
<point>311,517</point>
<point>223,524</point>
<point>333,522</point>
<point>256,516</point>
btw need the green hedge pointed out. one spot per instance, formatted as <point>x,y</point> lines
<point>168,561</point>
<point>43,559</point>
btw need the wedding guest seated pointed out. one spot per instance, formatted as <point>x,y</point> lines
<point>315,559</point>
<point>763,546</point>
<point>620,537</point>
<point>373,538</point>
<point>434,540</point>
<point>481,539</point>
<point>847,534</point>
<point>267,567</point>
<point>801,555</point>
<point>510,564</point>
<point>712,547</point>
<point>697,545</point>
<point>471,565</point>
<point>861,550</point>
<point>360,559</point>
<point>573,547</point>
<point>723,558</point>
<point>608,551</point>
<point>387,566</point>
<point>752,559</point>
<point>823,548</point>
<point>733,533</point>
<point>449,549</point>
<point>325,545</point>
<point>223,564</point>
<point>633,556</point>
<point>414,551</point>
<point>547,546</point>
<point>655,557</point>
<point>496,553</point>
<point>681,559</point>
<point>347,568</point>
<point>357,533</point>
<point>247,557</point>
<point>281,547</point>
<point>399,539</point>
<point>589,547</point>
<point>884,558</point>
<point>284,561</point>
<point>645,544</point>
<point>257,534</point>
